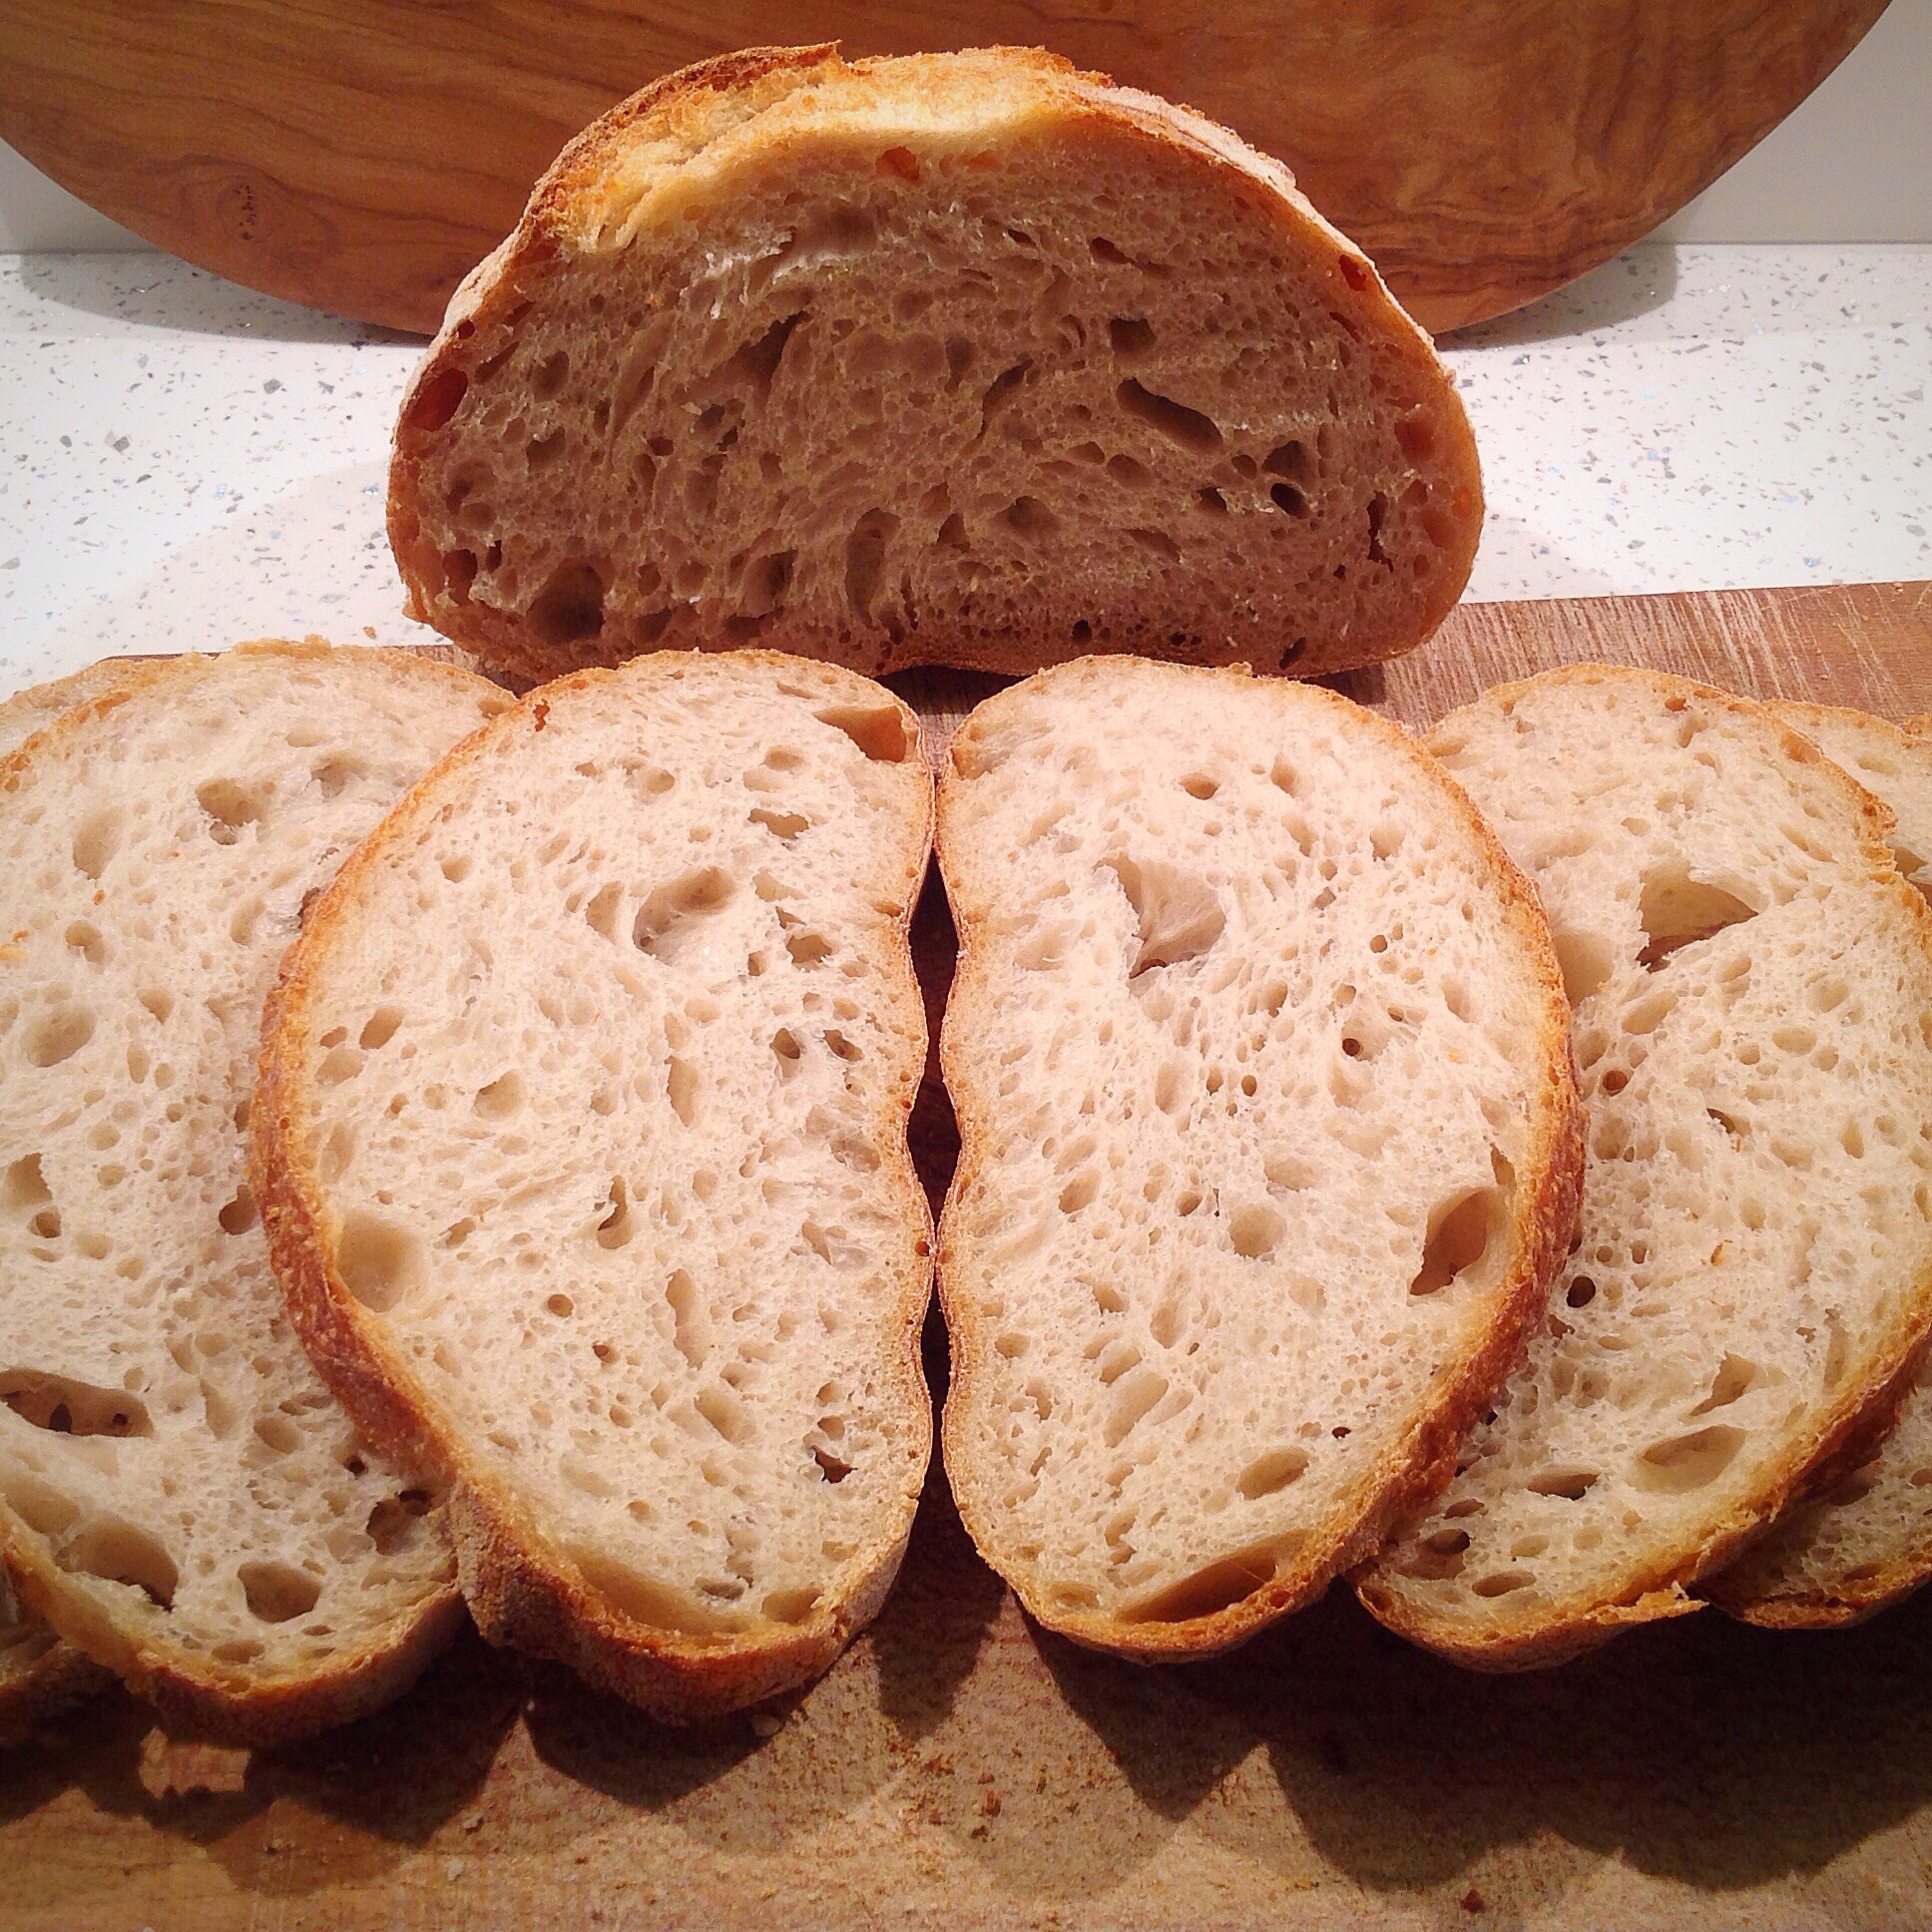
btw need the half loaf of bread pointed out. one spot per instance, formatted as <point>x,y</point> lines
<point>1864,1539</point>
<point>1269,1141</point>
<point>580,1141</point>
<point>1752,987</point>
<point>182,1498</point>
<point>965,359</point>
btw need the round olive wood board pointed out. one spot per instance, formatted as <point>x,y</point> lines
<point>360,155</point>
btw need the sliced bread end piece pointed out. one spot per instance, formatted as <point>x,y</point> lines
<point>600,1205</point>
<point>965,359</point>
<point>1753,984</point>
<point>1269,1141</point>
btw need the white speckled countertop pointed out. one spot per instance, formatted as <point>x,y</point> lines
<point>184,463</point>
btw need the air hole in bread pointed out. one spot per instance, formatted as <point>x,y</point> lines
<point>756,364</point>
<point>1000,389</point>
<point>830,1468</point>
<point>1255,1231</point>
<point>67,1407</point>
<point>1188,428</point>
<point>1157,542</point>
<point>1459,1236</point>
<point>1291,462</point>
<point>681,1088</point>
<point>501,1097</point>
<point>83,937</point>
<point>278,1434</point>
<point>1131,336</point>
<point>1028,517</point>
<point>380,1028</point>
<point>878,730</point>
<point>1208,1590</point>
<point>119,1552</point>
<point>24,1184</point>
<point>1179,914</point>
<point>1267,1475</point>
<point>59,1033</point>
<point>1501,1582</point>
<point>436,400</point>
<point>723,1411</point>
<point>1585,961</point>
<point>616,1226</point>
<point>278,1593</point>
<point>97,839</point>
<point>1377,516</point>
<point>1415,437</point>
<point>1134,1395</point>
<point>570,607</point>
<point>784,1044</point>
<point>237,1216</point>
<point>1680,1464</point>
<point>228,807</point>
<point>379,1262</point>
<point>1678,910</point>
<point>691,1334</point>
<point>1736,1376</point>
<point>1570,1484</point>
<point>540,452</point>
<point>670,918</point>
<point>393,1521</point>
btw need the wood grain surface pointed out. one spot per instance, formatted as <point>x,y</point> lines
<point>961,1768</point>
<point>360,154</point>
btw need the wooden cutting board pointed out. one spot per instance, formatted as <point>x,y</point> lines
<point>360,154</point>
<point>960,1768</point>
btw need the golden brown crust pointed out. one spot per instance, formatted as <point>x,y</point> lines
<point>537,250</point>
<point>520,1591</point>
<point>1663,1588</point>
<point>1543,1217</point>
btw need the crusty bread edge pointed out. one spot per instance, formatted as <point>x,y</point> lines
<point>1663,1589</point>
<point>519,1593</point>
<point>1541,1228</point>
<point>531,253</point>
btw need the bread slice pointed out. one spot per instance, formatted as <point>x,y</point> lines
<point>1754,1007</point>
<point>34,708</point>
<point>580,1141</point>
<point>1865,1538</point>
<point>39,1674</point>
<point>958,358</point>
<point>183,1498</point>
<point>1269,1141</point>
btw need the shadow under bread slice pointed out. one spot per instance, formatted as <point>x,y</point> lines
<point>581,1144</point>
<point>182,1498</point>
<point>1752,986</point>
<point>1268,1141</point>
